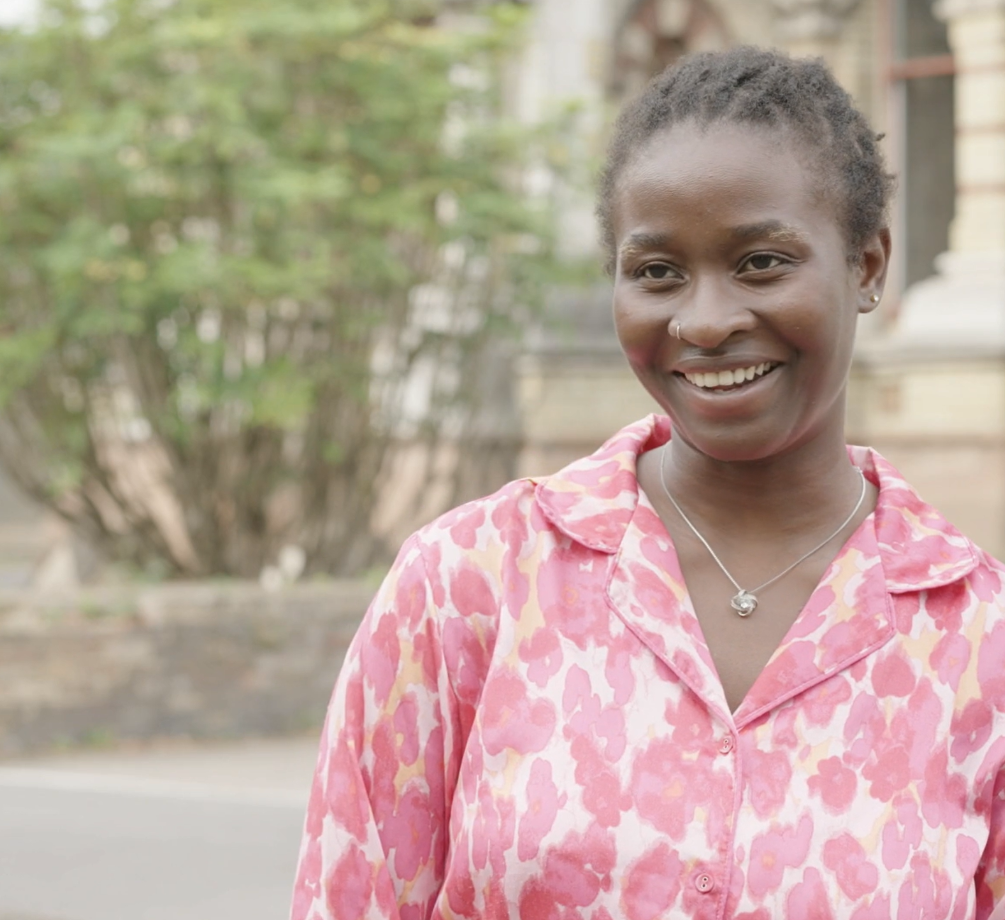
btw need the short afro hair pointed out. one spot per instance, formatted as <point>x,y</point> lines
<point>757,87</point>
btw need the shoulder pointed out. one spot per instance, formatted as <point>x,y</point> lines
<point>493,545</point>
<point>931,570</point>
<point>481,523</point>
<point>985,587</point>
<point>589,501</point>
<point>919,548</point>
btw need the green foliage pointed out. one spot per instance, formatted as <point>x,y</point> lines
<point>231,232</point>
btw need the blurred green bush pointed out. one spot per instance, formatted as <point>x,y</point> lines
<point>247,250</point>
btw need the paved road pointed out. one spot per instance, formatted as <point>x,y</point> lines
<point>171,833</point>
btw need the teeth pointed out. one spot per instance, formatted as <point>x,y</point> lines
<point>728,378</point>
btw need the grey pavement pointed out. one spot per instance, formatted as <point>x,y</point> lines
<point>168,832</point>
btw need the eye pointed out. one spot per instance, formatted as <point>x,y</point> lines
<point>762,262</point>
<point>657,271</point>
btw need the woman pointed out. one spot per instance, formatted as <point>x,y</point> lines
<point>739,670</point>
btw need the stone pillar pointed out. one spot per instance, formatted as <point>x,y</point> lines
<point>931,393</point>
<point>563,61</point>
<point>965,301</point>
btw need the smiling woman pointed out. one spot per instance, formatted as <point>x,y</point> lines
<point>725,237</point>
<point>728,666</point>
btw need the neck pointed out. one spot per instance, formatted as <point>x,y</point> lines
<point>791,493</point>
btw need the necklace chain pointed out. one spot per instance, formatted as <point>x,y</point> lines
<point>745,602</point>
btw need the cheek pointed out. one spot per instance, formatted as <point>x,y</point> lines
<point>642,327</point>
<point>817,320</point>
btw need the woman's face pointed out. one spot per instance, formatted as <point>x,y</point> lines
<point>727,233</point>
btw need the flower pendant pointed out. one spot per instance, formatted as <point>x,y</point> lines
<point>744,603</point>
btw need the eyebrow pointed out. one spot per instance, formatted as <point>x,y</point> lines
<point>641,242</point>
<point>773,230</point>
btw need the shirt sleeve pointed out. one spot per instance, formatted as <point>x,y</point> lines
<point>990,879</point>
<point>375,836</point>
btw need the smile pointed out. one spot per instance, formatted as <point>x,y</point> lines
<point>733,378</point>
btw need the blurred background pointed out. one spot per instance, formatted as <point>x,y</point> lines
<point>279,282</point>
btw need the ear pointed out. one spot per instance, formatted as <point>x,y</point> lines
<point>874,260</point>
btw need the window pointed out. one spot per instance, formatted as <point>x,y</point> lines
<point>920,75</point>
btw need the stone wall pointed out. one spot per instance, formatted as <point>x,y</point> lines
<point>196,660</point>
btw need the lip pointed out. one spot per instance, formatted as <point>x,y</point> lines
<point>707,365</point>
<point>738,398</point>
<point>704,377</point>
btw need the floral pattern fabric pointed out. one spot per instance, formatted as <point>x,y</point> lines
<point>529,725</point>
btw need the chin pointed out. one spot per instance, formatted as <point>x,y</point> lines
<point>731,446</point>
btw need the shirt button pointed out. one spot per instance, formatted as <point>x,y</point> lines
<point>726,745</point>
<point>704,883</point>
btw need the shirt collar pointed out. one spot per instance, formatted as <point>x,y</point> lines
<point>592,501</point>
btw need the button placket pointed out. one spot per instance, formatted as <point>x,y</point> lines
<point>726,745</point>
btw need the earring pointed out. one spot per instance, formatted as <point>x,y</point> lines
<point>874,298</point>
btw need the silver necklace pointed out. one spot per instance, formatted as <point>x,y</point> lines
<point>744,602</point>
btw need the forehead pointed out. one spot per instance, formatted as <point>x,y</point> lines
<point>689,170</point>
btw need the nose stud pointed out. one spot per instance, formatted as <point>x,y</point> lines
<point>676,330</point>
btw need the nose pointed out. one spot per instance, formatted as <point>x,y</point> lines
<point>709,313</point>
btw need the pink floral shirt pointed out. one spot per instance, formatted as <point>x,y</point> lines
<point>529,725</point>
